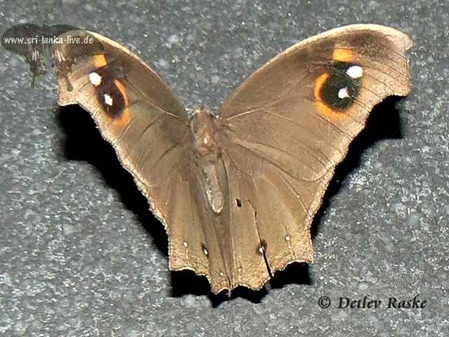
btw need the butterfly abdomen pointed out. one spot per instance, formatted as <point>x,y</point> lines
<point>207,147</point>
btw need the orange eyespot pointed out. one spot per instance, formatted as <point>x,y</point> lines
<point>110,90</point>
<point>338,89</point>
<point>323,107</point>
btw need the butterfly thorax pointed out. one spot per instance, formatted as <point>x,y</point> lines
<point>204,127</point>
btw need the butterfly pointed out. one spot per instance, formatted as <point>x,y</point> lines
<point>237,189</point>
<point>33,42</point>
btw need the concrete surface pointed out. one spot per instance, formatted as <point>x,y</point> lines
<point>80,255</point>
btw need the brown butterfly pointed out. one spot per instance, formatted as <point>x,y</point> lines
<point>32,42</point>
<point>237,191</point>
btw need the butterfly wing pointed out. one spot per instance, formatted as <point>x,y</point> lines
<point>138,113</point>
<point>287,127</point>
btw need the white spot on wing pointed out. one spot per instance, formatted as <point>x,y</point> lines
<point>355,72</point>
<point>343,93</point>
<point>95,79</point>
<point>108,100</point>
<point>185,244</point>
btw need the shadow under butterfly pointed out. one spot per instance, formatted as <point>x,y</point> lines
<point>237,191</point>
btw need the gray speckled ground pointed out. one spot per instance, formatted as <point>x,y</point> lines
<point>81,256</point>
